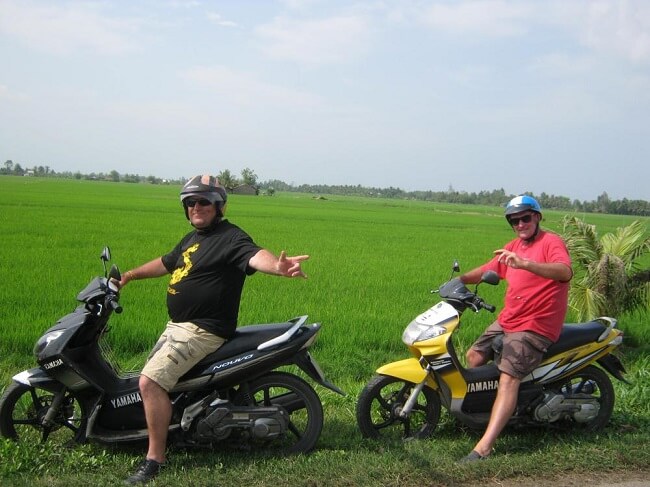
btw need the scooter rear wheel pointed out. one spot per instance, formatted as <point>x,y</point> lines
<point>23,408</point>
<point>590,382</point>
<point>299,400</point>
<point>380,403</point>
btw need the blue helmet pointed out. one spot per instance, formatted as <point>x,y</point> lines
<point>522,203</point>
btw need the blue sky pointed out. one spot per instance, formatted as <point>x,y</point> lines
<point>543,96</point>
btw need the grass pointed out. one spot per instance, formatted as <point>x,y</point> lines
<point>373,264</point>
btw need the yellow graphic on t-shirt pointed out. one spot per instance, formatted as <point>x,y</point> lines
<point>182,272</point>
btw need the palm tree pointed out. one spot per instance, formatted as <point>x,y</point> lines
<point>227,179</point>
<point>608,278</point>
<point>249,177</point>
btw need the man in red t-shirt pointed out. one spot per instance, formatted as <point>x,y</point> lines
<point>537,267</point>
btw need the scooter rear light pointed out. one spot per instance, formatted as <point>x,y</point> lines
<point>309,342</point>
<point>617,341</point>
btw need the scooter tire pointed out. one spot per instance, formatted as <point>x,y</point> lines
<point>600,387</point>
<point>300,401</point>
<point>381,401</point>
<point>23,407</point>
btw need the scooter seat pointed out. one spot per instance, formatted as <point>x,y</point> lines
<point>245,339</point>
<point>576,334</point>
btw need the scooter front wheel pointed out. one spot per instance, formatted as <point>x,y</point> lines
<point>381,402</point>
<point>22,413</point>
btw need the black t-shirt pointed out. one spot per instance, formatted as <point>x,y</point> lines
<point>208,272</point>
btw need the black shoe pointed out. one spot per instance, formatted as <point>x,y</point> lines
<point>473,456</point>
<point>146,471</point>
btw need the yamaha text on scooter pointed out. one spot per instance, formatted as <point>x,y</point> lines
<point>234,396</point>
<point>571,385</point>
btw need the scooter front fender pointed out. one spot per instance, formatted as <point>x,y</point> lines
<point>37,377</point>
<point>409,370</point>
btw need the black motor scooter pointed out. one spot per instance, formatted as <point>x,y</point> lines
<point>233,396</point>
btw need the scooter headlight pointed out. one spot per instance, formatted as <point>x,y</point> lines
<point>45,340</point>
<point>416,332</point>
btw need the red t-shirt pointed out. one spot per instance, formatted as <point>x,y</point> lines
<point>534,303</point>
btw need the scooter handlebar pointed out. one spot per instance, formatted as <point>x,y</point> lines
<point>479,304</point>
<point>455,290</point>
<point>115,306</point>
<point>488,307</point>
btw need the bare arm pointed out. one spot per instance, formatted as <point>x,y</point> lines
<point>472,277</point>
<point>265,261</point>
<point>154,268</point>
<point>549,270</point>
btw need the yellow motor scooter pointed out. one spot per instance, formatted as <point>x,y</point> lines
<point>405,398</point>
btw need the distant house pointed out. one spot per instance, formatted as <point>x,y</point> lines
<point>245,189</point>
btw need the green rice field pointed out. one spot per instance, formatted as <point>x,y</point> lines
<point>373,263</point>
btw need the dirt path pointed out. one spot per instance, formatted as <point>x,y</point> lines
<point>634,478</point>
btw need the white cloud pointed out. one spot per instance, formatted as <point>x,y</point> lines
<point>314,42</point>
<point>8,95</point>
<point>217,19</point>
<point>614,27</point>
<point>62,28</point>
<point>618,27</point>
<point>246,89</point>
<point>492,18</point>
<point>158,114</point>
<point>299,4</point>
<point>184,3</point>
<point>561,65</point>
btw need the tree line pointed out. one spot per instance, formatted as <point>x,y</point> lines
<point>227,178</point>
<point>497,197</point>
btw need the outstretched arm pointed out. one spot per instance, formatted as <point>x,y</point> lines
<point>265,261</point>
<point>154,268</point>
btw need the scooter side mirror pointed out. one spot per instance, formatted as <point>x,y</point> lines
<point>106,254</point>
<point>115,273</point>
<point>491,278</point>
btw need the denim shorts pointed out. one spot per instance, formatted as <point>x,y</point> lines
<point>179,348</point>
<point>522,350</point>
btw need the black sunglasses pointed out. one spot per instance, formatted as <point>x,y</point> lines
<point>193,203</point>
<point>525,219</point>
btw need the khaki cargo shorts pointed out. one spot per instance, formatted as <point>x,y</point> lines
<point>522,351</point>
<point>179,348</point>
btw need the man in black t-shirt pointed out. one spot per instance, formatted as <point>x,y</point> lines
<point>208,268</point>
